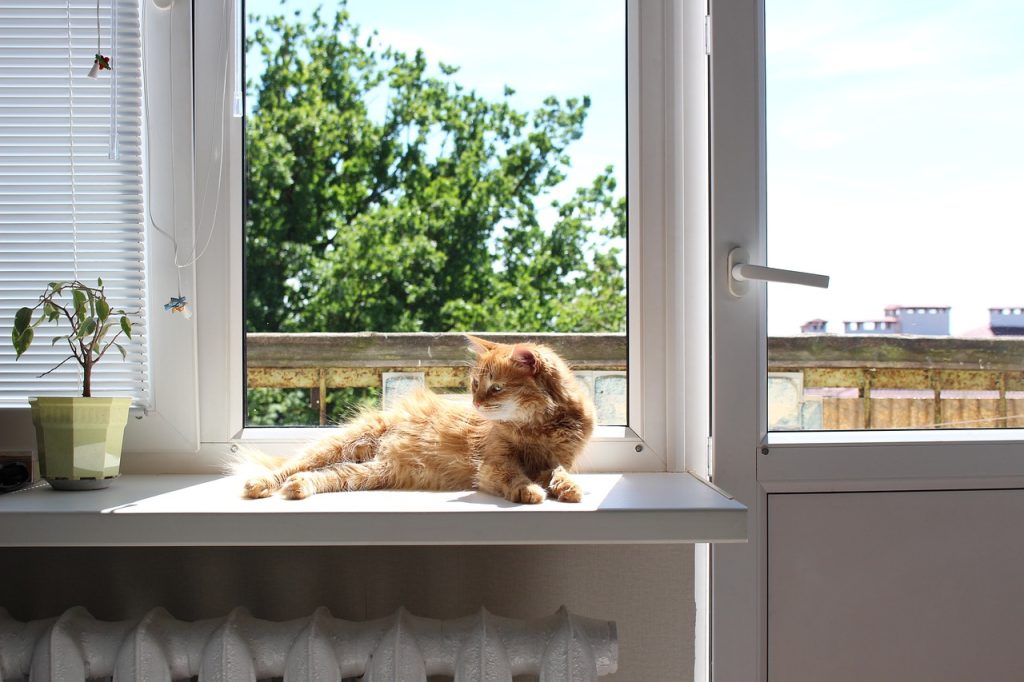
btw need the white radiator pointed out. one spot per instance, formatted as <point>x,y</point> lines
<point>400,648</point>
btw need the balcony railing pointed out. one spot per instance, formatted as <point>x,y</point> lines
<point>815,381</point>
<point>321,362</point>
<point>892,382</point>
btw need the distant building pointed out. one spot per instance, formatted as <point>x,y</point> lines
<point>888,325</point>
<point>905,319</point>
<point>1001,322</point>
<point>925,320</point>
<point>813,327</point>
<point>1006,321</point>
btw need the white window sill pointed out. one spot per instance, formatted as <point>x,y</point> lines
<point>206,510</point>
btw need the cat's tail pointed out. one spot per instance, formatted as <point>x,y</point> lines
<point>249,462</point>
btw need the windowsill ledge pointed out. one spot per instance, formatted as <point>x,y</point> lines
<point>206,510</point>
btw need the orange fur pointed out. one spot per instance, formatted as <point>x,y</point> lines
<point>529,422</point>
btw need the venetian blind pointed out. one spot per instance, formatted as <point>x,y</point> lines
<point>71,185</point>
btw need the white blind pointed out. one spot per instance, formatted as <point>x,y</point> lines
<point>68,210</point>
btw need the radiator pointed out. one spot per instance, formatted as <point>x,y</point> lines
<point>483,647</point>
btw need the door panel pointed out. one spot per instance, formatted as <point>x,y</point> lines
<point>896,586</point>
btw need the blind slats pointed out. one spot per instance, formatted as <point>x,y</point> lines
<point>66,209</point>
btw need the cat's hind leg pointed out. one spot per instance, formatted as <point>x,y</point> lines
<point>357,442</point>
<point>336,478</point>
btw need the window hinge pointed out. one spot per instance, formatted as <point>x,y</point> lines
<point>707,34</point>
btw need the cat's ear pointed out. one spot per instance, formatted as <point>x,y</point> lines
<point>525,358</point>
<point>478,345</point>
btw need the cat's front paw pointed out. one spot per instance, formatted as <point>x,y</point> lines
<point>261,486</point>
<point>528,494</point>
<point>298,487</point>
<point>565,489</point>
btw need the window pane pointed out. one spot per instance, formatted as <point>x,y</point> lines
<point>894,144</point>
<point>427,169</point>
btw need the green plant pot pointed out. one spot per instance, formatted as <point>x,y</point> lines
<point>79,440</point>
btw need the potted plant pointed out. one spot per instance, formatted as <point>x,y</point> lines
<point>79,438</point>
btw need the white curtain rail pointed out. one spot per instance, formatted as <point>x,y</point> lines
<point>483,647</point>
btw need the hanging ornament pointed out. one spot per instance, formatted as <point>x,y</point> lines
<point>99,62</point>
<point>179,304</point>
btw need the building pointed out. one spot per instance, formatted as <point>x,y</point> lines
<point>815,326</point>
<point>903,319</point>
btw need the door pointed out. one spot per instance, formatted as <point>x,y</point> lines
<point>871,428</point>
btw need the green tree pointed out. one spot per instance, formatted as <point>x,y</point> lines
<point>421,214</point>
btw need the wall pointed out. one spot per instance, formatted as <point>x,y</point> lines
<point>646,589</point>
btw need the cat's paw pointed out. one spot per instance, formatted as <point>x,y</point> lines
<point>565,490</point>
<point>298,487</point>
<point>528,494</point>
<point>260,486</point>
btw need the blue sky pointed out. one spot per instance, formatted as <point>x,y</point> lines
<point>538,47</point>
<point>895,149</point>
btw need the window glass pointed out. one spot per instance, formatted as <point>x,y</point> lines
<point>419,169</point>
<point>894,141</point>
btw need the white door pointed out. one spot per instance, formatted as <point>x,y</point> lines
<point>877,142</point>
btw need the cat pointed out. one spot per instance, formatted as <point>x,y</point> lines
<point>528,423</point>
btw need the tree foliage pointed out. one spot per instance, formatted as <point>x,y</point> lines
<point>383,195</point>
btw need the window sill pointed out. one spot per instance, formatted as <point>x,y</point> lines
<point>206,510</point>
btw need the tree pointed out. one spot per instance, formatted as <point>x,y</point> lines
<point>381,197</point>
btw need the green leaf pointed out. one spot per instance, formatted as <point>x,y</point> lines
<point>22,319</point>
<point>50,311</point>
<point>103,332</point>
<point>22,340</point>
<point>88,327</point>
<point>99,282</point>
<point>54,340</point>
<point>124,353</point>
<point>79,298</point>
<point>102,309</point>
<point>126,326</point>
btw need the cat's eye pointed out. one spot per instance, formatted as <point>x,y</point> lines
<point>475,384</point>
<point>496,388</point>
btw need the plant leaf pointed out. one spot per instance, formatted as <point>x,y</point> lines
<point>103,332</point>
<point>99,282</point>
<point>22,340</point>
<point>79,302</point>
<point>102,309</point>
<point>126,326</point>
<point>51,311</point>
<point>124,353</point>
<point>22,318</point>
<point>88,327</point>
<point>55,339</point>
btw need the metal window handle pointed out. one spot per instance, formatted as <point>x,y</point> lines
<point>741,273</point>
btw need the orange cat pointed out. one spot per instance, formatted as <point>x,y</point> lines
<point>529,421</point>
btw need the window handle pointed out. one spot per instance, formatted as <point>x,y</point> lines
<point>741,273</point>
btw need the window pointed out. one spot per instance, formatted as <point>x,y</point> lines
<point>888,127</point>
<point>419,170</point>
<point>657,232</point>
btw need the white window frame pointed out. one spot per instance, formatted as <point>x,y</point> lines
<point>749,461</point>
<point>667,246</point>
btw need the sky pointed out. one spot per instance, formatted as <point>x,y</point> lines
<point>895,145</point>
